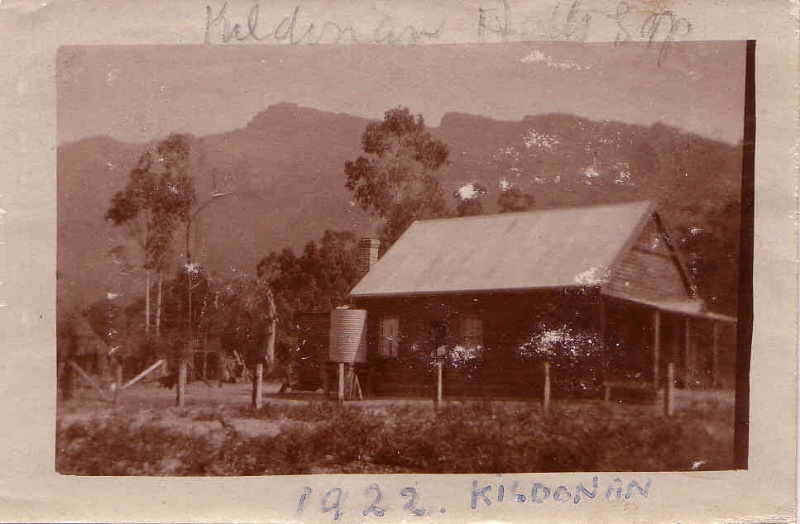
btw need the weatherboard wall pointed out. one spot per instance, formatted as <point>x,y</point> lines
<point>508,320</point>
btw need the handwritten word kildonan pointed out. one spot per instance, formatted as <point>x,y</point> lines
<point>539,493</point>
<point>294,28</point>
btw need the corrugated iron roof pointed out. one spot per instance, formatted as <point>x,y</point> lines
<point>563,247</point>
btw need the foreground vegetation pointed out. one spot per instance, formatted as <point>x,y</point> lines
<point>320,437</point>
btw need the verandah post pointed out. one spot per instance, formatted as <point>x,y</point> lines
<point>688,366</point>
<point>669,391</point>
<point>656,346</point>
<point>603,337</point>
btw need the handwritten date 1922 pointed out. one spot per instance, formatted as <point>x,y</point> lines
<point>333,501</point>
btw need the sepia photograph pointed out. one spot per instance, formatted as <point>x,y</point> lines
<point>524,257</point>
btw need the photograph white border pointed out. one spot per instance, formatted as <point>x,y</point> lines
<point>30,490</point>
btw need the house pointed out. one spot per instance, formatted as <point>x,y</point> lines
<point>489,285</point>
<point>77,343</point>
<point>76,340</point>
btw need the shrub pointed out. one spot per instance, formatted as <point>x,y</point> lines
<point>470,437</point>
<point>575,355</point>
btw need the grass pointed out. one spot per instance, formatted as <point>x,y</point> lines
<point>310,436</point>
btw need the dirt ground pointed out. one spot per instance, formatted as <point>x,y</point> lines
<point>148,401</point>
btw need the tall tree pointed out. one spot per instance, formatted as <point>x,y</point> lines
<point>394,179</point>
<point>179,203</point>
<point>710,241</point>
<point>142,208</point>
<point>161,192</point>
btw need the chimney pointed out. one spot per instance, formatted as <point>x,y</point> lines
<point>367,255</point>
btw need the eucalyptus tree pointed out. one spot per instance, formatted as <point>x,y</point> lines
<point>394,179</point>
<point>137,207</point>
<point>160,194</point>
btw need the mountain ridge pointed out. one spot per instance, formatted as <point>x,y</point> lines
<point>284,169</point>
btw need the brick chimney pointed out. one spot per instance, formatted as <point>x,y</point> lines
<point>367,255</point>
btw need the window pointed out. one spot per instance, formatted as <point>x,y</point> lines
<point>471,330</point>
<point>390,337</point>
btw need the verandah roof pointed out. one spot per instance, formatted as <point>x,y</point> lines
<point>694,308</point>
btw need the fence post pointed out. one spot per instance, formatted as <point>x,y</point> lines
<point>182,368</point>
<point>547,386</point>
<point>258,386</point>
<point>669,391</point>
<point>340,394</point>
<point>117,381</point>
<point>439,366</point>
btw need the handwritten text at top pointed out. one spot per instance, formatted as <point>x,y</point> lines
<point>500,21</point>
<point>294,28</point>
<point>497,21</point>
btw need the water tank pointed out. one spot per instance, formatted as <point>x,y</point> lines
<point>348,342</point>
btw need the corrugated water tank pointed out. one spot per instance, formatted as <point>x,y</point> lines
<point>348,342</point>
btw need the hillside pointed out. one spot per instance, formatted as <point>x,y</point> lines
<point>284,171</point>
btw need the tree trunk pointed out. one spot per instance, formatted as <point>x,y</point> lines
<point>147,306</point>
<point>271,346</point>
<point>146,257</point>
<point>159,301</point>
<point>273,331</point>
<point>190,342</point>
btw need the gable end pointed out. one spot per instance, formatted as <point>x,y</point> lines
<point>650,268</point>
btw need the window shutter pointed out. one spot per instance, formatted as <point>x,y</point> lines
<point>390,336</point>
<point>471,330</point>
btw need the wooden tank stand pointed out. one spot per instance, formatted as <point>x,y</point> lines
<point>349,385</point>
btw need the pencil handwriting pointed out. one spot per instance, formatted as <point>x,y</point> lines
<point>296,28</point>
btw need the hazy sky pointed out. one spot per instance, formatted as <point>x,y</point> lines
<point>137,93</point>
